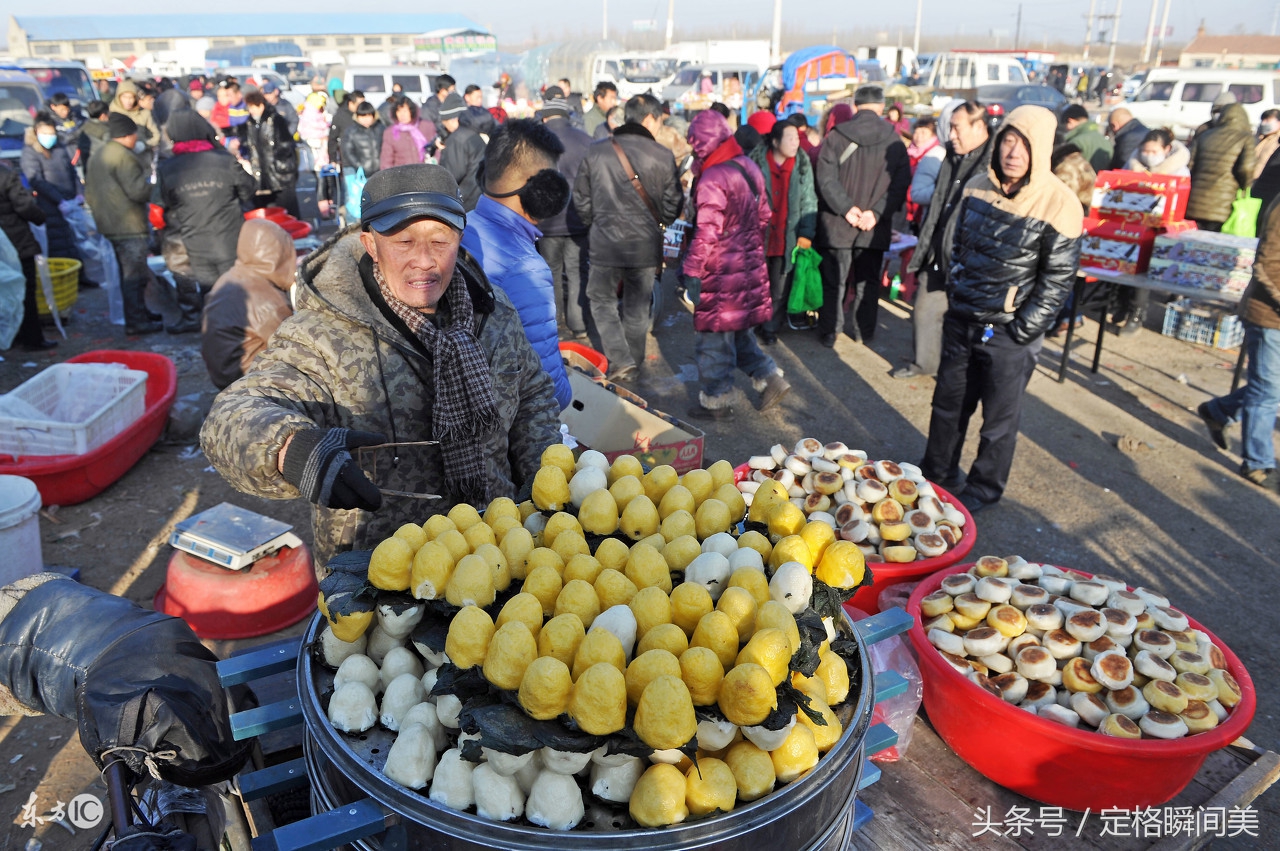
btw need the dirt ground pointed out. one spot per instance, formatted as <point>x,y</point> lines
<point>1170,514</point>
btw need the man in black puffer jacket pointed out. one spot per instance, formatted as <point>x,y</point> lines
<point>203,191</point>
<point>268,145</point>
<point>1016,251</point>
<point>625,235</point>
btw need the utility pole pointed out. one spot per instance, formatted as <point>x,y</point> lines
<point>1115,31</point>
<point>775,46</point>
<point>605,15</point>
<point>1017,30</point>
<point>915,42</point>
<point>1164,28</point>
<point>671,23</point>
<point>1275,18</point>
<point>1151,25</point>
<point>1088,30</point>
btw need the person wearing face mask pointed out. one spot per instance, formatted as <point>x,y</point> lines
<point>1013,264</point>
<point>967,153</point>
<point>522,187</point>
<point>46,164</point>
<point>398,337</point>
<point>1268,140</point>
<point>1160,153</point>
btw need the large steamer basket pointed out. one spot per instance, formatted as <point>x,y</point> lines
<point>1057,765</point>
<point>815,812</point>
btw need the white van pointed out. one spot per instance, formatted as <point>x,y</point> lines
<point>1181,98</point>
<point>376,81</point>
<point>957,70</point>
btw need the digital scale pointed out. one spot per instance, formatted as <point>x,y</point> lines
<point>232,537</point>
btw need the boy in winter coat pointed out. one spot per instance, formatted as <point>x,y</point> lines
<point>361,142</point>
<point>725,270</point>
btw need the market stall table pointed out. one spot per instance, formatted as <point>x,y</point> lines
<point>1088,275</point>
<point>931,799</point>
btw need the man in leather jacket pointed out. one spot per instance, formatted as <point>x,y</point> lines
<point>268,145</point>
<point>1013,262</point>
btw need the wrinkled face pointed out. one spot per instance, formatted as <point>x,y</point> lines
<point>128,100</point>
<point>967,135</point>
<point>789,144</point>
<point>1015,157</point>
<point>416,261</point>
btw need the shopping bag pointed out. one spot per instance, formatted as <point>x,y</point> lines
<point>806,281</point>
<point>13,285</point>
<point>1244,215</point>
<point>93,246</point>
<point>353,184</point>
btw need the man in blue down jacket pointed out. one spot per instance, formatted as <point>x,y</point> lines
<point>1016,251</point>
<point>521,187</point>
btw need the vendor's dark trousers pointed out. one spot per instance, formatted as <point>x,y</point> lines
<point>1205,224</point>
<point>622,336</point>
<point>567,257</point>
<point>779,289</point>
<point>131,254</point>
<point>29,333</point>
<point>860,269</point>
<point>926,319</point>
<point>995,373</point>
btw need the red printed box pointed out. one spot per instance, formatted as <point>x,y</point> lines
<point>1153,200</point>
<point>1119,246</point>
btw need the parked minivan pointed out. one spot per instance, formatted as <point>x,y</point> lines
<point>376,81</point>
<point>957,70</point>
<point>1181,98</point>
<point>20,100</point>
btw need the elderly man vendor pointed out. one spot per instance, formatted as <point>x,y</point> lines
<point>398,338</point>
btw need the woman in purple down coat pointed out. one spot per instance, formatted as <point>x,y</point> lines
<point>725,272</point>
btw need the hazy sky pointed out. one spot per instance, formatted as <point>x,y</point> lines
<point>516,20</point>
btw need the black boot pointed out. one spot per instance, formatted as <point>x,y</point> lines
<point>190,305</point>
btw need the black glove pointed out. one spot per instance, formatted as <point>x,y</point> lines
<point>319,464</point>
<point>690,294</point>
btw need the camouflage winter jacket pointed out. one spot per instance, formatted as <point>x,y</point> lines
<point>338,362</point>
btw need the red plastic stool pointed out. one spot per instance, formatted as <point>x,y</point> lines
<point>273,593</point>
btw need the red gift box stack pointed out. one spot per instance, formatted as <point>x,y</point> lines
<point>1130,209</point>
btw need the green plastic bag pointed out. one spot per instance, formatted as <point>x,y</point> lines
<point>1244,215</point>
<point>806,281</point>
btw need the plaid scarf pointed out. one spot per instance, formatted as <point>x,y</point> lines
<point>465,414</point>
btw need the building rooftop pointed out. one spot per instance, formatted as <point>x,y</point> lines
<point>1267,45</point>
<point>92,27</point>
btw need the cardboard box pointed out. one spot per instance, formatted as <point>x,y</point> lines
<point>1121,246</point>
<point>1206,248</point>
<point>1154,200</point>
<point>1202,277</point>
<point>612,420</point>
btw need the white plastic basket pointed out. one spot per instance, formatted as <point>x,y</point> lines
<point>71,409</point>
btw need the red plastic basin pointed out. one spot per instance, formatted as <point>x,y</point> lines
<point>593,357</point>
<point>884,574</point>
<point>269,595</point>
<point>1057,765</point>
<point>72,479</point>
<point>272,213</point>
<point>297,229</point>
